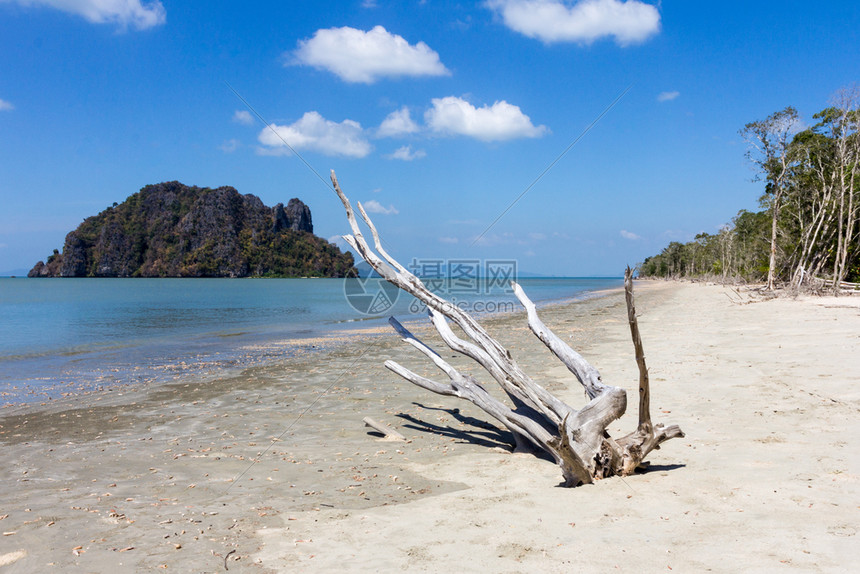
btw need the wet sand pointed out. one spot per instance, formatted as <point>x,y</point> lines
<point>272,470</point>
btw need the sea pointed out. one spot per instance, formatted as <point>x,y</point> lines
<point>65,337</point>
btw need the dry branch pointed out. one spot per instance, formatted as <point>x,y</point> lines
<point>388,433</point>
<point>577,440</point>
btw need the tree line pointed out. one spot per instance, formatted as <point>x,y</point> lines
<point>809,227</point>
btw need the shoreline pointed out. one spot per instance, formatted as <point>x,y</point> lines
<point>115,468</point>
<point>259,350</point>
<point>167,478</point>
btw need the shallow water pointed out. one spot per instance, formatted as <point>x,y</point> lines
<point>62,336</point>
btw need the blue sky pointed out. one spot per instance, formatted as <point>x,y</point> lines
<point>436,115</point>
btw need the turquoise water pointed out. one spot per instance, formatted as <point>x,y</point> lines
<point>65,336</point>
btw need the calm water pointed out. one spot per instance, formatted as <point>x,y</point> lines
<point>60,336</point>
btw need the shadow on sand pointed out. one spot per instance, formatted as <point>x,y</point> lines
<point>481,432</point>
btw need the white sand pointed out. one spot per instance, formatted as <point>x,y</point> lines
<point>766,480</point>
<point>163,479</point>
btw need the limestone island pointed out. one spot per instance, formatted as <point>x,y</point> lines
<point>174,230</point>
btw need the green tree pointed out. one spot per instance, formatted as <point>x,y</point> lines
<point>770,150</point>
<point>841,124</point>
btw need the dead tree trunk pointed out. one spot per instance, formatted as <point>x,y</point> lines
<point>577,440</point>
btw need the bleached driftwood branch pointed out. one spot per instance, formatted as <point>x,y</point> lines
<point>577,440</point>
<point>387,433</point>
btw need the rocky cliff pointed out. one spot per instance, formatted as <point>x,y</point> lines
<point>173,230</point>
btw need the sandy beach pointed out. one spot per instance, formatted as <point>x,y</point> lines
<point>272,469</point>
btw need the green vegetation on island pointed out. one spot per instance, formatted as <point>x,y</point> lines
<point>173,230</point>
<point>810,225</point>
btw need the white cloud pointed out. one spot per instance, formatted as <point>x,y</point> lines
<point>537,236</point>
<point>628,235</point>
<point>374,206</point>
<point>449,240</point>
<point>397,124</point>
<point>6,106</point>
<point>405,153</point>
<point>243,117</point>
<point>364,57</point>
<point>583,21</point>
<point>230,146</point>
<point>135,13</point>
<point>501,121</point>
<point>314,132</point>
<point>491,239</point>
<point>667,96</point>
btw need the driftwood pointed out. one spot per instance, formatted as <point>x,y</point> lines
<point>576,439</point>
<point>388,433</point>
